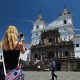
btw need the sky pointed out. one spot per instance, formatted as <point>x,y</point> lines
<point>22,14</point>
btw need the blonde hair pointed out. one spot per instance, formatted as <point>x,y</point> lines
<point>10,37</point>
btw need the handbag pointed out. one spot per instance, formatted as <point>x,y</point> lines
<point>15,74</point>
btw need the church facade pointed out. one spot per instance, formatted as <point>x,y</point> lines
<point>54,41</point>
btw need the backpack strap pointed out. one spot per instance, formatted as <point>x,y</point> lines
<point>3,64</point>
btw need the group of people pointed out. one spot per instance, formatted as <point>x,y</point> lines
<point>11,49</point>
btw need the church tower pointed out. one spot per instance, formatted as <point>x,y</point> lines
<point>38,27</point>
<point>67,30</point>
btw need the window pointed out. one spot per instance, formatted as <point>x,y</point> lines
<point>77,45</point>
<point>65,21</point>
<point>66,53</point>
<point>37,27</point>
<point>35,56</point>
<point>36,34</point>
<point>50,40</point>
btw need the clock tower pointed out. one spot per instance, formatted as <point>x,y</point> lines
<point>67,28</point>
<point>38,27</point>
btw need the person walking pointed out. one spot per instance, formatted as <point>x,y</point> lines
<point>53,70</point>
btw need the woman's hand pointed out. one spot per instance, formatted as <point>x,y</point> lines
<point>20,35</point>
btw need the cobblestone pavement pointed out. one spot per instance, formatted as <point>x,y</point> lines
<point>30,75</point>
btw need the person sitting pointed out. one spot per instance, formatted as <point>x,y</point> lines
<point>12,48</point>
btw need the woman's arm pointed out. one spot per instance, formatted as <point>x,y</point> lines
<point>21,43</point>
<point>22,48</point>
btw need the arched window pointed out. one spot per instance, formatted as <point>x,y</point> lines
<point>35,55</point>
<point>50,55</point>
<point>37,27</point>
<point>50,40</point>
<point>77,45</point>
<point>66,53</point>
<point>65,22</point>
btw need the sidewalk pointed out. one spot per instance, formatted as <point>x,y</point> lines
<point>30,75</point>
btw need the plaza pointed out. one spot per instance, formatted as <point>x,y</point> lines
<point>46,75</point>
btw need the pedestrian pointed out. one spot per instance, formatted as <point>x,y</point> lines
<point>53,70</point>
<point>39,67</point>
<point>12,48</point>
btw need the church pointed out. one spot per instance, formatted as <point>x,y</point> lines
<point>54,42</point>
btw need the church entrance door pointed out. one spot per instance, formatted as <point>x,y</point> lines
<point>50,55</point>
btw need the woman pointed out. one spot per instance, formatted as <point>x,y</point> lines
<point>12,48</point>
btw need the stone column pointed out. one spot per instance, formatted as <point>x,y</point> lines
<point>58,55</point>
<point>41,57</point>
<point>62,55</point>
<point>55,53</point>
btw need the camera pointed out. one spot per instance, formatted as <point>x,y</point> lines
<point>20,35</point>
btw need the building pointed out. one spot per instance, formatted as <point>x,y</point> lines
<point>76,41</point>
<point>38,27</point>
<point>54,41</point>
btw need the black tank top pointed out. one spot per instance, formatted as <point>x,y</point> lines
<point>11,58</point>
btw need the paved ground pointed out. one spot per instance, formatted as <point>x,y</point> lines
<point>30,75</point>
